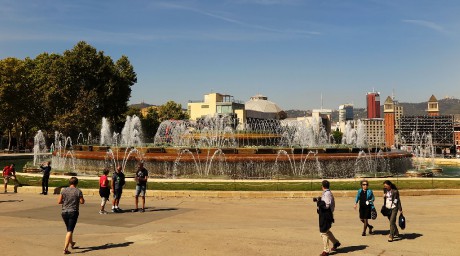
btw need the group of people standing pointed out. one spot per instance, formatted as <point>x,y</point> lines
<point>365,199</point>
<point>71,197</point>
<point>116,186</point>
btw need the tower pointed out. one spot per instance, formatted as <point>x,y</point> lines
<point>389,116</point>
<point>433,107</point>
<point>373,104</point>
<point>392,112</point>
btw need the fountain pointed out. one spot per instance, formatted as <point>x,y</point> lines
<point>424,153</point>
<point>217,148</point>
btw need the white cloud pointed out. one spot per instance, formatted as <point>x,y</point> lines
<point>427,24</point>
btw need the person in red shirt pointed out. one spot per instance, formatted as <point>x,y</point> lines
<point>104,190</point>
<point>10,173</point>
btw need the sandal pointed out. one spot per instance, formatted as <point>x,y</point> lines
<point>66,252</point>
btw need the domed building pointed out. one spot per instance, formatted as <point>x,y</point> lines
<point>259,107</point>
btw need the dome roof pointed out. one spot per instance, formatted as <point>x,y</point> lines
<point>259,107</point>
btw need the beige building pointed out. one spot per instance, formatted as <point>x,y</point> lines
<point>216,103</point>
<point>375,131</point>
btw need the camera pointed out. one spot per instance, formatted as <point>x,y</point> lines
<point>316,199</point>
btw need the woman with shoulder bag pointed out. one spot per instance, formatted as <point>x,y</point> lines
<point>393,204</point>
<point>365,198</point>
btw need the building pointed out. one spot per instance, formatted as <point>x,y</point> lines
<point>373,104</point>
<point>217,104</point>
<point>392,112</point>
<point>375,131</point>
<point>457,134</point>
<point>324,115</point>
<point>259,107</point>
<point>433,106</point>
<point>415,128</point>
<point>345,112</point>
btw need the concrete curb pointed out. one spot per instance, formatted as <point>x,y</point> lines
<point>243,194</point>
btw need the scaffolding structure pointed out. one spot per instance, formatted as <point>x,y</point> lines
<point>440,127</point>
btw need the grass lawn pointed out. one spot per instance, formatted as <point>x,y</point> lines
<point>427,183</point>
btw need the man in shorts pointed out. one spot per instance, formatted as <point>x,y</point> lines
<point>118,182</point>
<point>10,173</point>
<point>141,185</point>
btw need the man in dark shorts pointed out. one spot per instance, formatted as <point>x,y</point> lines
<point>118,181</point>
<point>141,185</point>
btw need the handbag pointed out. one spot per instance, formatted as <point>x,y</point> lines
<point>373,213</point>
<point>385,211</point>
<point>402,221</point>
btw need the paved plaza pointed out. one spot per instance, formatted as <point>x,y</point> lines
<point>31,225</point>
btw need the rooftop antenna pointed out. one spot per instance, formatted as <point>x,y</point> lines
<point>393,94</point>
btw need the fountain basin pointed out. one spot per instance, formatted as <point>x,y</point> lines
<point>244,163</point>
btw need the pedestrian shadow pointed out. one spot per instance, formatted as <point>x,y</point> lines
<point>102,247</point>
<point>381,232</point>
<point>409,236</point>
<point>10,201</point>
<point>353,248</point>
<point>150,209</point>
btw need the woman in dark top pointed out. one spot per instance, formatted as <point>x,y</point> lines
<point>70,198</point>
<point>365,198</point>
<point>393,202</point>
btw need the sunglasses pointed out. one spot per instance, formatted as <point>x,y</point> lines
<point>365,184</point>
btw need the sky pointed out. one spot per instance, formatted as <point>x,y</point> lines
<point>300,54</point>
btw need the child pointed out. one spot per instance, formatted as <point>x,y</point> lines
<point>104,190</point>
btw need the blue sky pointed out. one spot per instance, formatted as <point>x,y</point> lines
<point>291,51</point>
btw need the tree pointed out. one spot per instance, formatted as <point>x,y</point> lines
<point>69,93</point>
<point>16,94</point>
<point>337,135</point>
<point>91,86</point>
<point>171,110</point>
<point>150,123</point>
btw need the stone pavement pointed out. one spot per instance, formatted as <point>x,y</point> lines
<point>31,225</point>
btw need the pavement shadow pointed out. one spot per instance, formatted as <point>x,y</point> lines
<point>10,201</point>
<point>101,247</point>
<point>353,248</point>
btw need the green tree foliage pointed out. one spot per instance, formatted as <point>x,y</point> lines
<point>171,110</point>
<point>337,135</point>
<point>150,124</point>
<point>69,93</point>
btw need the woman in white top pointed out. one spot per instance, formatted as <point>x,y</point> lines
<point>393,202</point>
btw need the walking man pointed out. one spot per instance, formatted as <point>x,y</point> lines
<point>141,185</point>
<point>326,205</point>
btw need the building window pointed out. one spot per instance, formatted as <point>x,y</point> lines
<point>204,106</point>
<point>224,109</point>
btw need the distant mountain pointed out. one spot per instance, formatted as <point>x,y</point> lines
<point>140,105</point>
